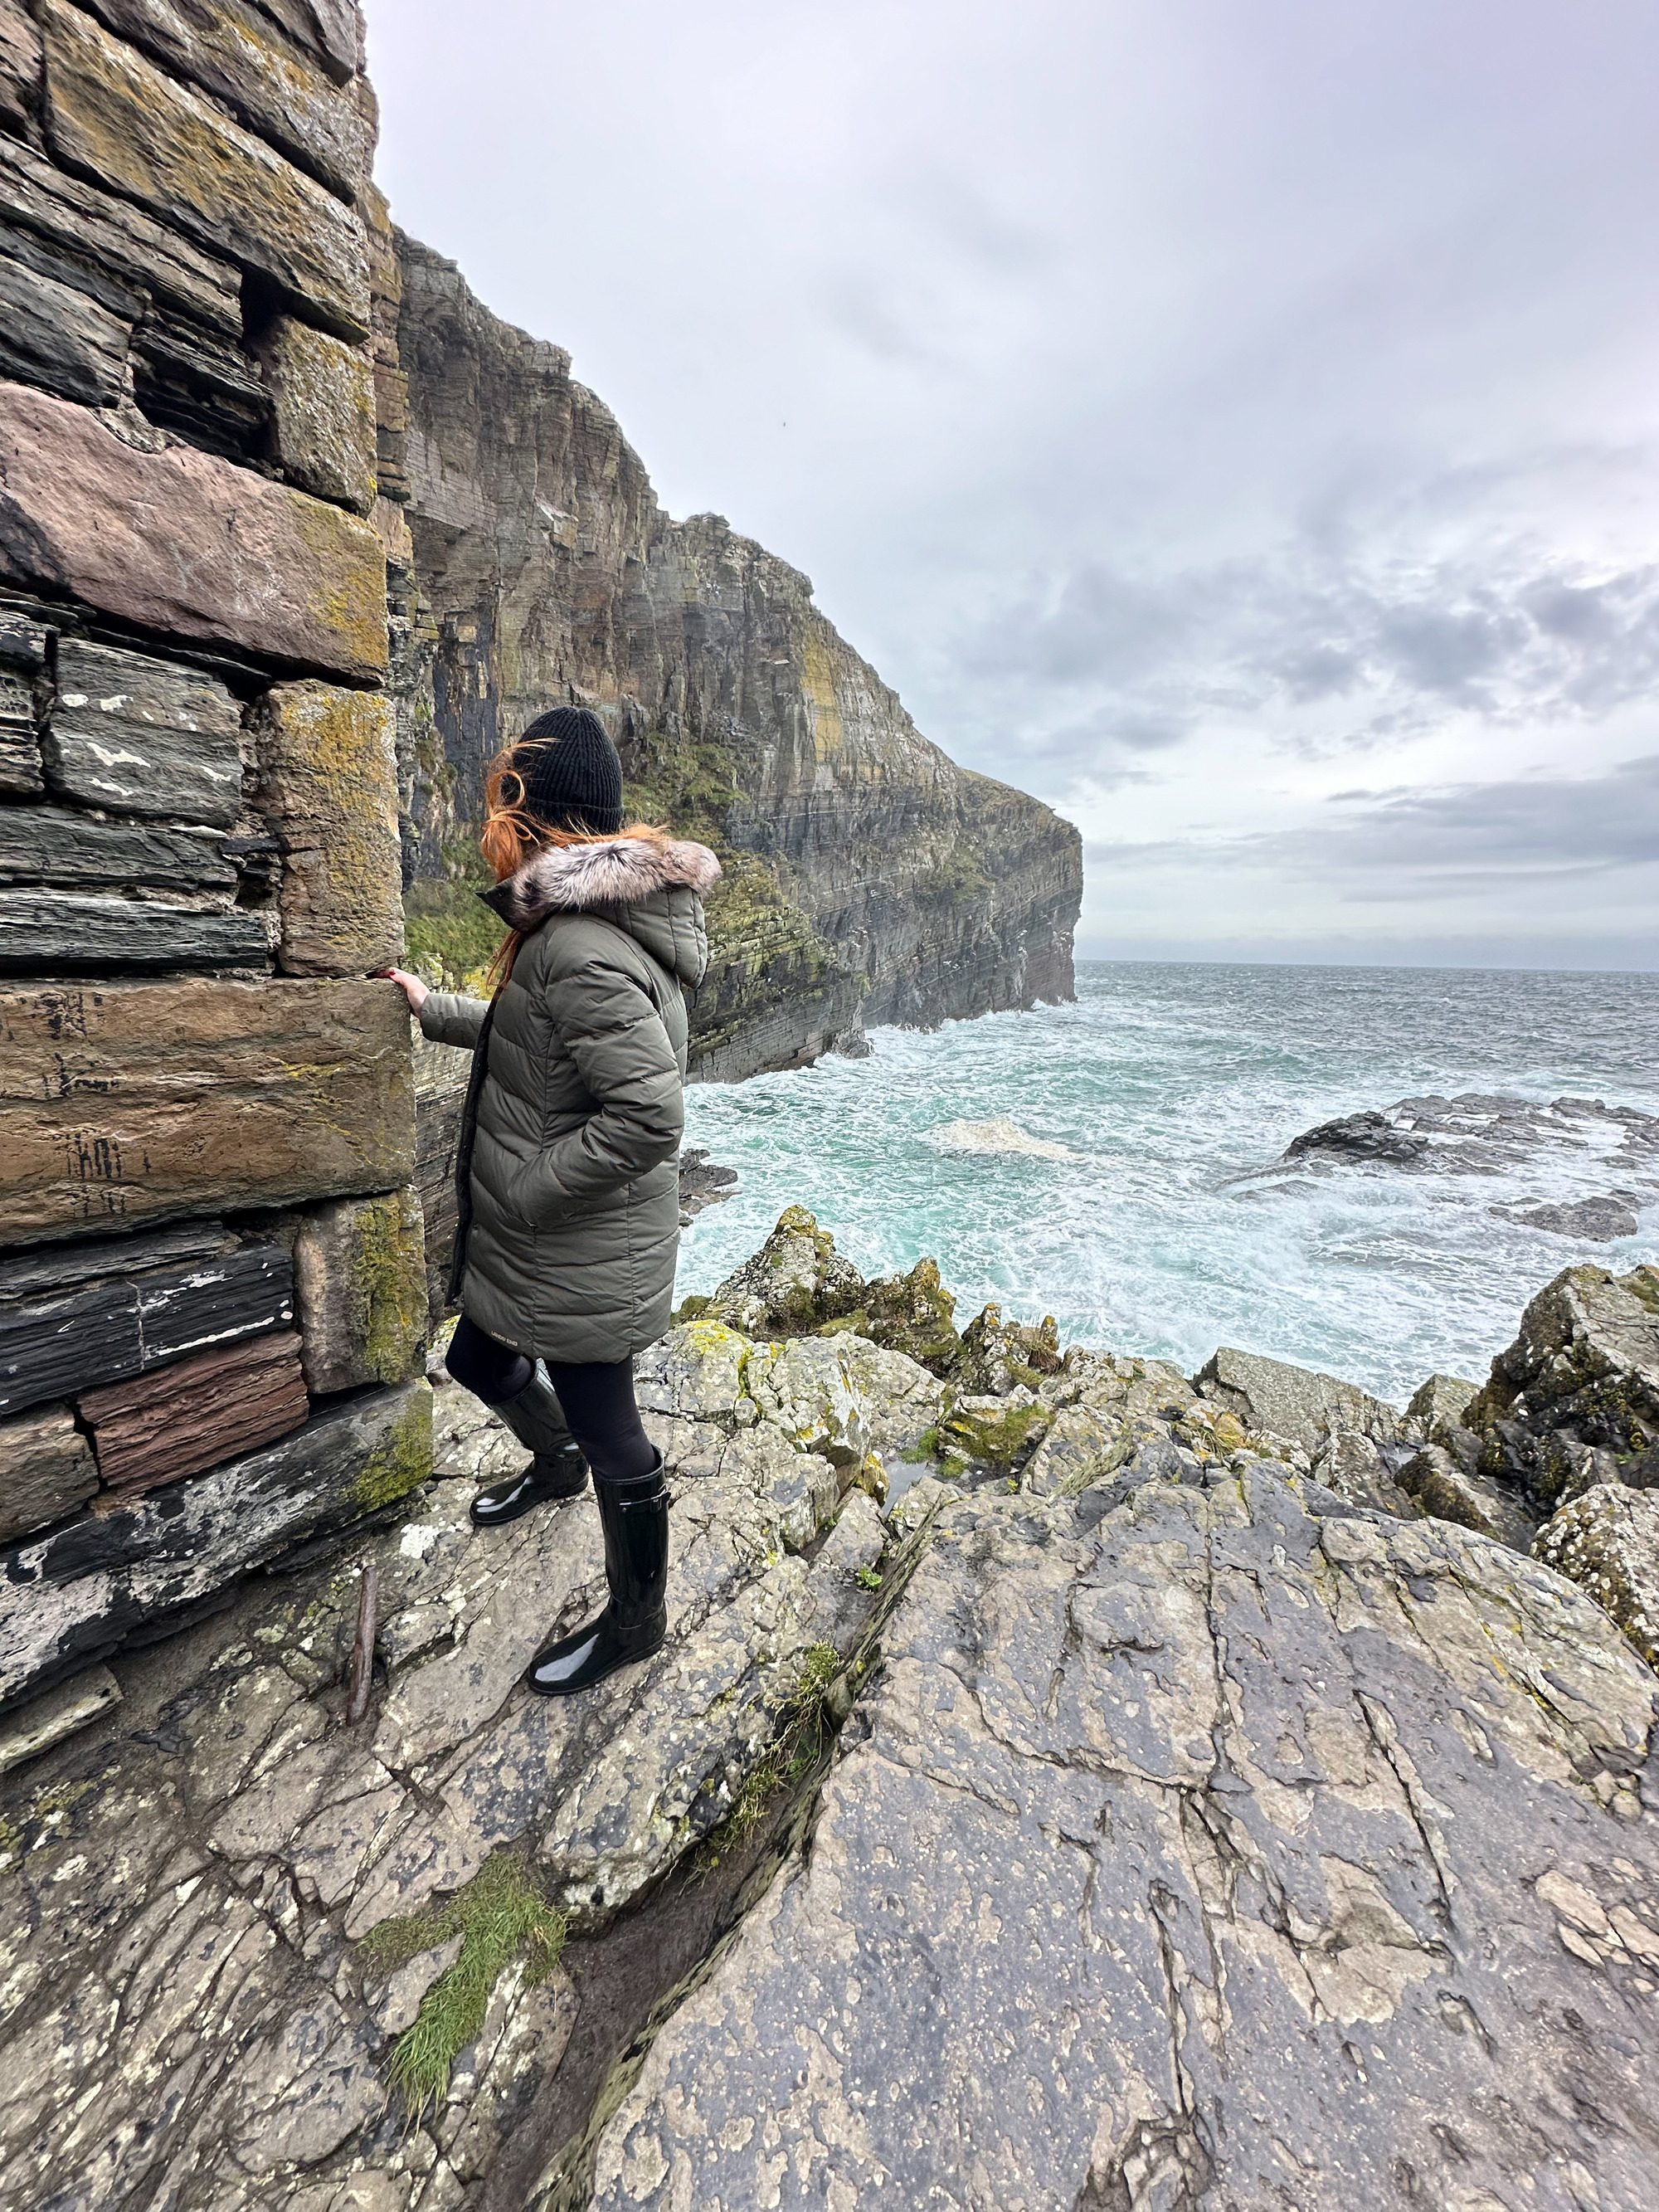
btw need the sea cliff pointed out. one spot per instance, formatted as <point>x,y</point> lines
<point>869,879</point>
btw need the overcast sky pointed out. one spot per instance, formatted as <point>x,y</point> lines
<point>1237,420</point>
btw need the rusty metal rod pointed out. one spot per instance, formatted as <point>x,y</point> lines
<point>362,1653</point>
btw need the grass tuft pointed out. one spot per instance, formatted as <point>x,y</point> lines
<point>805,1725</point>
<point>500,1915</point>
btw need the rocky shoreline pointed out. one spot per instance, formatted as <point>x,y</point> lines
<point>1067,1783</point>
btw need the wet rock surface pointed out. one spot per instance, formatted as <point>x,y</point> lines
<point>1163,1867</point>
<point>1146,1813</point>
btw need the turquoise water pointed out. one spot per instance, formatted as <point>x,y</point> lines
<point>1175,1088</point>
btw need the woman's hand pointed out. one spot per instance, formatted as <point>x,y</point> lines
<point>414,990</point>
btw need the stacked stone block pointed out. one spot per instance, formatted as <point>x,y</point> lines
<point>212,1295</point>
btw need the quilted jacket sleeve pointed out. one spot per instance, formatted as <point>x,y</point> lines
<point>609,1023</point>
<point>448,1018</point>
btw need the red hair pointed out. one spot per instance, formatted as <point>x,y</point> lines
<point>511,833</point>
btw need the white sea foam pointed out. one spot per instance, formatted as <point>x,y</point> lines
<point>1001,1134</point>
<point>1171,1085</point>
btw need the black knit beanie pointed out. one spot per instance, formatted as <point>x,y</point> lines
<point>570,771</point>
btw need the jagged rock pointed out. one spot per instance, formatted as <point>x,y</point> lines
<point>359,1286</point>
<point>1443,1488</point>
<point>114,116</point>
<point>1000,1356</point>
<point>323,408</point>
<point>1108,1409</point>
<point>1164,1865</point>
<point>22,666</point>
<point>61,1712</point>
<point>116,1314</point>
<point>78,1594</point>
<point>1441,1403</point>
<point>1350,1464</point>
<point>20,70</point>
<point>1479,1133</point>
<point>1600,1219</point>
<point>795,1283</point>
<point>179,542</point>
<point>1584,1369</point>
<point>46,1470</point>
<point>912,1313</point>
<point>191,1414</point>
<point>329,782</point>
<point>1274,1399</point>
<point>1608,1542</point>
<point>702,1184</point>
<point>134,1102</point>
<point>1368,1136</point>
<point>135,735</point>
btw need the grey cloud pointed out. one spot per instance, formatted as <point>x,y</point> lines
<point>1099,657</point>
<point>1396,844</point>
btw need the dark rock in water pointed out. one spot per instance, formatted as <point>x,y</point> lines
<point>1360,1136</point>
<point>702,1184</point>
<point>1600,1219</point>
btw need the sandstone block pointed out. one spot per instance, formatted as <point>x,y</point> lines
<point>360,1281</point>
<point>22,659</point>
<point>61,1712</point>
<point>52,334</point>
<point>323,394</point>
<point>77,1595</point>
<point>329,782</point>
<point>20,70</point>
<point>110,249</point>
<point>49,932</point>
<point>114,116</point>
<point>271,83</point>
<point>147,1102</point>
<point>182,543</point>
<point>135,735</point>
<point>177,1419</point>
<point>51,845</point>
<point>46,1471</point>
<point>96,1331</point>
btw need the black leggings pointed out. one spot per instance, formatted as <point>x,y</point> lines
<point>595,1397</point>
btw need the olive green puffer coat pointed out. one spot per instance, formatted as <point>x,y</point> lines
<point>568,1188</point>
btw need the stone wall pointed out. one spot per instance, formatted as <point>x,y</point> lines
<point>212,1302</point>
<point>868,878</point>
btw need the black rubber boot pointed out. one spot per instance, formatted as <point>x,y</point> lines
<point>633,1625</point>
<point>558,1470</point>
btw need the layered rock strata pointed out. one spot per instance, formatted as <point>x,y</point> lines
<point>1137,1814</point>
<point>869,879</point>
<point>206,1113</point>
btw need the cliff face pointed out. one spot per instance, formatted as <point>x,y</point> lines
<point>870,879</point>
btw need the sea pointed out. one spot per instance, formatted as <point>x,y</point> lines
<point>1118,1163</point>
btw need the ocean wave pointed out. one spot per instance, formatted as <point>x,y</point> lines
<point>1000,1133</point>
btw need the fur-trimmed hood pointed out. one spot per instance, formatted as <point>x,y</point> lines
<point>618,872</point>
<point>653,889</point>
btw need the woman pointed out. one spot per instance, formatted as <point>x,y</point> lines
<point>566,1173</point>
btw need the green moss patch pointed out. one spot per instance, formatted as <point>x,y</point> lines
<point>500,1915</point>
<point>403,1463</point>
